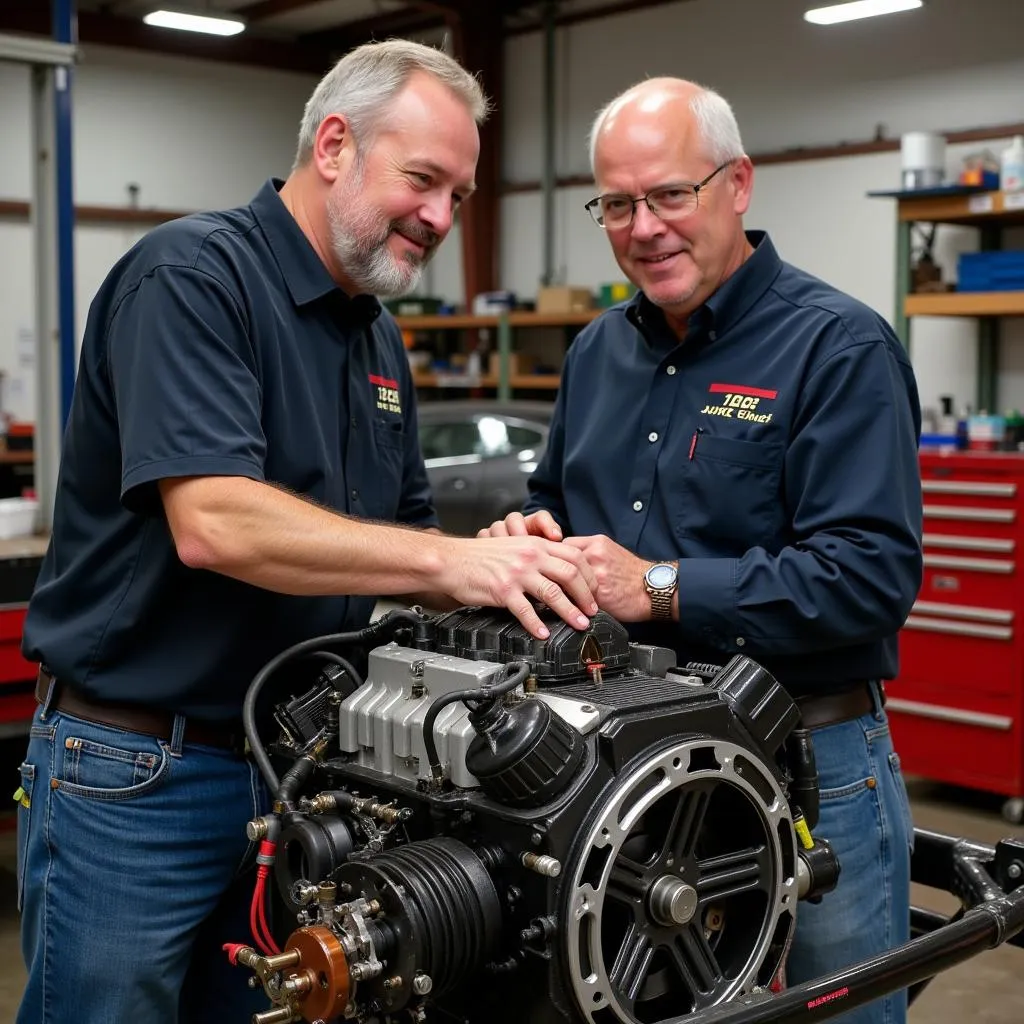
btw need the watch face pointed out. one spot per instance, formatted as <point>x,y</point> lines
<point>661,576</point>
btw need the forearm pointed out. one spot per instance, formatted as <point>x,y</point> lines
<point>799,600</point>
<point>270,538</point>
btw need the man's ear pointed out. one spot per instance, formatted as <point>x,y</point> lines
<point>332,146</point>
<point>742,175</point>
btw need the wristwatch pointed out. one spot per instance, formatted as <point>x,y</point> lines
<point>660,582</point>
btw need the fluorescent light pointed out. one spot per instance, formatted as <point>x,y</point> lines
<point>859,9</point>
<point>195,23</point>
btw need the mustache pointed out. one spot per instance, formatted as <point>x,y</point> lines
<point>417,232</point>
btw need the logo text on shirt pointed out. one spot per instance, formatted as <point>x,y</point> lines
<point>739,402</point>
<point>388,398</point>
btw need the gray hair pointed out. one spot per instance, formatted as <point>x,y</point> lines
<point>715,119</point>
<point>363,83</point>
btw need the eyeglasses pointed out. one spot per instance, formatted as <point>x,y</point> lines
<point>669,202</point>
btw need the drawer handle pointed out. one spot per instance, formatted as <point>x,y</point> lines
<point>944,714</point>
<point>927,625</point>
<point>996,565</point>
<point>945,540</point>
<point>962,611</point>
<point>968,487</point>
<point>976,515</point>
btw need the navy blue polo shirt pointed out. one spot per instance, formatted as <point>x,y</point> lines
<point>218,346</point>
<point>773,452</point>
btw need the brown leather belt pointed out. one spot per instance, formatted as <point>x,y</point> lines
<point>832,708</point>
<point>228,735</point>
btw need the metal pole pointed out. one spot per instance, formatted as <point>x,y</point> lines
<point>64,31</point>
<point>44,219</point>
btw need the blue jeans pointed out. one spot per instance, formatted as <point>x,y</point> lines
<point>133,868</point>
<point>865,814</point>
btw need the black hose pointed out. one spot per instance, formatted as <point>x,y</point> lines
<point>386,624</point>
<point>517,674</point>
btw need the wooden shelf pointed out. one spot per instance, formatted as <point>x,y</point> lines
<point>454,380</point>
<point>977,209</point>
<point>537,381</point>
<point>965,304</point>
<point>553,319</point>
<point>444,323</point>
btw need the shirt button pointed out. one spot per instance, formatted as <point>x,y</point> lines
<point>712,335</point>
<point>652,436</point>
<point>671,371</point>
<point>740,641</point>
<point>355,494</point>
<point>638,506</point>
<point>355,422</point>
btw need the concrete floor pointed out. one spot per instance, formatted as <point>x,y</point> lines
<point>986,989</point>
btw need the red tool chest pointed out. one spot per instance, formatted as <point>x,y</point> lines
<point>957,708</point>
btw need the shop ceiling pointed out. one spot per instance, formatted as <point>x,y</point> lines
<point>303,35</point>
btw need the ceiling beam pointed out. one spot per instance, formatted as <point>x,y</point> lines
<point>592,14</point>
<point>264,9</point>
<point>382,26</point>
<point>133,33</point>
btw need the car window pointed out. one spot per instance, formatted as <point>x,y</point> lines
<point>524,437</point>
<point>445,440</point>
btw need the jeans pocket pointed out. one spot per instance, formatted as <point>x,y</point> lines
<point>99,770</point>
<point>901,796</point>
<point>24,798</point>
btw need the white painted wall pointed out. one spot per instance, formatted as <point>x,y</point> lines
<point>194,135</point>
<point>953,65</point>
<point>190,134</point>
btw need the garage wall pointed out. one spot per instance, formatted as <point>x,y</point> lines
<point>194,135</point>
<point>190,134</point>
<point>952,65</point>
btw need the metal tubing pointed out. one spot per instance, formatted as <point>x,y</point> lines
<point>958,866</point>
<point>842,991</point>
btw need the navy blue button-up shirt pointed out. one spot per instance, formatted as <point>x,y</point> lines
<point>773,453</point>
<point>218,346</point>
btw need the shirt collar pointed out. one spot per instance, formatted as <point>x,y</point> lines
<point>731,302</point>
<point>304,272</point>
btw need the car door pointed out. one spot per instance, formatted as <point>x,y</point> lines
<point>516,447</point>
<point>451,453</point>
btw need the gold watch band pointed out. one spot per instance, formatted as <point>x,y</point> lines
<point>661,603</point>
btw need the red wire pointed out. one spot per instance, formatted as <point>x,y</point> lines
<point>263,918</point>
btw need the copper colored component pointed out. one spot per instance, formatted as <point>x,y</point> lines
<point>322,961</point>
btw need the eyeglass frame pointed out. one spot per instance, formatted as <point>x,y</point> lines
<point>591,207</point>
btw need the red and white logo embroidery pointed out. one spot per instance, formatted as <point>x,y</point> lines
<point>739,402</point>
<point>388,397</point>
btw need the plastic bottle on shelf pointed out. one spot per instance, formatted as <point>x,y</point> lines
<point>1011,167</point>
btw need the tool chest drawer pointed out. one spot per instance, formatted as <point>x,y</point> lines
<point>957,708</point>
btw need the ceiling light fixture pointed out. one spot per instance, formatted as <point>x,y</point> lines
<point>855,9</point>
<point>195,23</point>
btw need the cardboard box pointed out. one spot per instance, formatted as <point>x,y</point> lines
<point>564,299</point>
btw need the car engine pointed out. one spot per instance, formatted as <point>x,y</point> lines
<point>494,828</point>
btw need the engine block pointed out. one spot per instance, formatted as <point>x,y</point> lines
<point>497,829</point>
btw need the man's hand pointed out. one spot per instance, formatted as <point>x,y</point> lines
<point>507,571</point>
<point>515,524</point>
<point>620,577</point>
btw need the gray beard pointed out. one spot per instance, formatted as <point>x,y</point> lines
<point>361,250</point>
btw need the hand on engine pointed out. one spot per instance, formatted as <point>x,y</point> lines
<point>507,571</point>
<point>515,524</point>
<point>620,577</point>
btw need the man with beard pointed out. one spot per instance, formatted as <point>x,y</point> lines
<point>243,431</point>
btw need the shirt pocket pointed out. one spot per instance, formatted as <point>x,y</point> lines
<point>728,494</point>
<point>385,487</point>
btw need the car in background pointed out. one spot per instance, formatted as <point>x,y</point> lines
<point>479,453</point>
